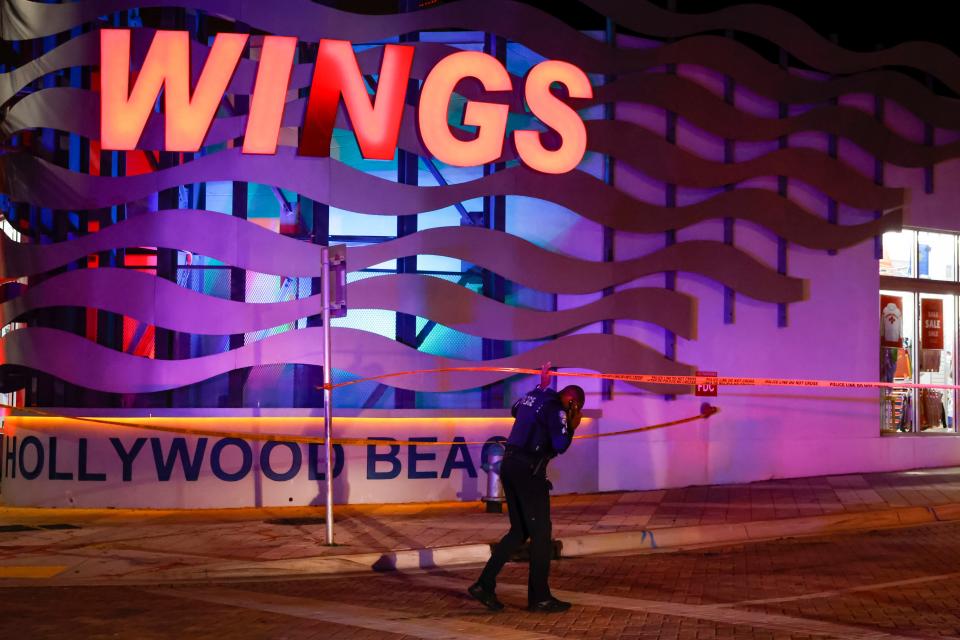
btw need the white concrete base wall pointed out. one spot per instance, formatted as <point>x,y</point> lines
<point>701,459</point>
<point>81,467</point>
<point>63,463</point>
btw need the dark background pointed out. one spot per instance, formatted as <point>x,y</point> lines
<point>862,25</point>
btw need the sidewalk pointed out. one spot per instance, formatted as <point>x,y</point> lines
<point>67,546</point>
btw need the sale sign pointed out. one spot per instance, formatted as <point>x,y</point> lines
<point>931,323</point>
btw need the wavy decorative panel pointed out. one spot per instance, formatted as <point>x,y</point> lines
<point>30,179</point>
<point>160,302</point>
<point>224,238</point>
<point>359,352</point>
<point>520,261</point>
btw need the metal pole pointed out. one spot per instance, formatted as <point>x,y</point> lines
<point>327,391</point>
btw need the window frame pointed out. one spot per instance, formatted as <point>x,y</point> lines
<point>918,286</point>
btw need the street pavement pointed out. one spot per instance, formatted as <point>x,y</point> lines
<point>700,562</point>
<point>895,583</point>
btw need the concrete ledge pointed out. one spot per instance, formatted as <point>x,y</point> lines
<point>650,539</point>
<point>947,512</point>
<point>324,565</point>
<point>697,535</point>
<point>429,558</point>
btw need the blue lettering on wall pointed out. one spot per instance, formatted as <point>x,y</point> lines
<point>10,456</point>
<point>391,458</point>
<point>178,449</point>
<point>82,474</point>
<point>413,457</point>
<point>32,474</point>
<point>217,467</point>
<point>466,463</point>
<point>295,461</point>
<point>127,457</point>
<point>54,474</point>
<point>316,471</point>
<point>183,461</point>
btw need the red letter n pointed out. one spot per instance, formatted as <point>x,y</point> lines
<point>376,125</point>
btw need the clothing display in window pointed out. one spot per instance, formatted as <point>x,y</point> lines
<point>933,414</point>
<point>892,318</point>
<point>895,364</point>
<point>888,363</point>
<point>903,370</point>
<point>930,359</point>
<point>897,410</point>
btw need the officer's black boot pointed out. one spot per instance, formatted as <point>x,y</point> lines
<point>551,605</point>
<point>485,597</point>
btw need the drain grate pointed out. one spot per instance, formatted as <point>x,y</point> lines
<point>296,522</point>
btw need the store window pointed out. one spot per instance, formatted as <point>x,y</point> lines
<point>935,362</point>
<point>919,299</point>
<point>936,256</point>
<point>897,343</point>
<point>898,253</point>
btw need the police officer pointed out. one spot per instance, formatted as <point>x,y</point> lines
<point>543,428</point>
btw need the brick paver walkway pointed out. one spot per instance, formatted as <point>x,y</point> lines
<point>901,583</point>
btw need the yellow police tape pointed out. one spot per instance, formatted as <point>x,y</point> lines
<point>706,412</point>
<point>666,380</point>
<point>635,378</point>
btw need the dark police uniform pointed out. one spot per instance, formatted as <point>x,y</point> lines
<point>540,432</point>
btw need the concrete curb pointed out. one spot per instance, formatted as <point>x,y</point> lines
<point>647,540</point>
<point>698,535</point>
<point>407,559</point>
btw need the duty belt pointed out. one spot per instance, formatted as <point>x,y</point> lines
<point>537,462</point>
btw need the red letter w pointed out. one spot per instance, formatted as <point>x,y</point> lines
<point>123,114</point>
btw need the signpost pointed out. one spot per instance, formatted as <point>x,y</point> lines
<point>333,274</point>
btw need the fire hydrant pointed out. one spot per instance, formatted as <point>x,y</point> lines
<point>490,458</point>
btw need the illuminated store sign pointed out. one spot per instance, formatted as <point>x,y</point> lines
<point>376,123</point>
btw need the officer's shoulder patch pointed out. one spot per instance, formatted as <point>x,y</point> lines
<point>563,418</point>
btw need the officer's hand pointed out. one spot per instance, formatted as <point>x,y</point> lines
<point>545,375</point>
<point>574,414</point>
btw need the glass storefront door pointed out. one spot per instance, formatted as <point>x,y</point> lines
<point>918,342</point>
<point>897,360</point>
<point>935,362</point>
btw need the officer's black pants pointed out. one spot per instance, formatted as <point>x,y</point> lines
<point>528,502</point>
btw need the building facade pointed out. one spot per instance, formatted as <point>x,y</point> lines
<point>752,198</point>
